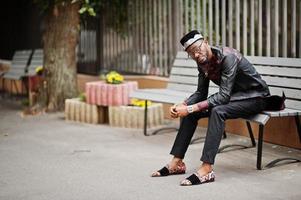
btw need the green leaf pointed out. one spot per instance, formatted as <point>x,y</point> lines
<point>91,12</point>
<point>82,97</point>
<point>82,10</point>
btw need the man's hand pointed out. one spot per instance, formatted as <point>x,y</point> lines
<point>181,110</point>
<point>173,112</point>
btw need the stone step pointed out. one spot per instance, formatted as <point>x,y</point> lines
<point>76,110</point>
<point>133,116</point>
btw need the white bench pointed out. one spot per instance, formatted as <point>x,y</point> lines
<point>281,74</point>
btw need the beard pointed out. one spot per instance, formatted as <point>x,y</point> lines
<point>203,60</point>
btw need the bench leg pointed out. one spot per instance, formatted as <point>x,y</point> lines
<point>259,148</point>
<point>3,89</point>
<point>297,119</point>
<point>24,87</point>
<point>145,119</point>
<point>156,131</point>
<point>274,162</point>
<point>15,84</point>
<point>11,88</point>
<point>251,134</point>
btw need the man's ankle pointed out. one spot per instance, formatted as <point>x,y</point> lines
<point>176,161</point>
<point>206,166</point>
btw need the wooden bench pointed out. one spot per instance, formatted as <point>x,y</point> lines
<point>281,74</point>
<point>20,61</point>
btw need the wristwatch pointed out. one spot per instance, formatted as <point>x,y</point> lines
<point>190,109</point>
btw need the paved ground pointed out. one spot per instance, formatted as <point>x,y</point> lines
<point>44,157</point>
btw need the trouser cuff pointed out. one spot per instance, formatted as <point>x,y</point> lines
<point>177,154</point>
<point>207,159</point>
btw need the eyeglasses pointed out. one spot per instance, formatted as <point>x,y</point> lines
<point>192,52</point>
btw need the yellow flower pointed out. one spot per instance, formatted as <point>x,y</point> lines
<point>140,103</point>
<point>134,101</point>
<point>114,78</point>
<point>39,69</point>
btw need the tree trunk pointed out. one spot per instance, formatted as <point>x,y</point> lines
<point>60,38</point>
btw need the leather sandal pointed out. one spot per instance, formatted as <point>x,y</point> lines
<point>196,179</point>
<point>166,171</point>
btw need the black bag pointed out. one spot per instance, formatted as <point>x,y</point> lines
<point>275,102</point>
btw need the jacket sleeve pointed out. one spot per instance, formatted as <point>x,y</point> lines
<point>228,74</point>
<point>202,90</point>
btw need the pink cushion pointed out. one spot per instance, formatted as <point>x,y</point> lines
<point>104,94</point>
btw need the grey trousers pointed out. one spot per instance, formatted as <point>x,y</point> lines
<point>216,124</point>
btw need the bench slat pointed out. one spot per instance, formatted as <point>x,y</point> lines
<point>283,113</point>
<point>290,93</point>
<point>162,93</point>
<point>259,118</point>
<point>187,80</point>
<point>187,63</point>
<point>276,61</point>
<point>184,80</point>
<point>156,97</point>
<point>278,71</point>
<point>167,92</point>
<point>293,104</point>
<point>181,55</point>
<point>182,87</point>
<point>184,71</point>
<point>282,82</point>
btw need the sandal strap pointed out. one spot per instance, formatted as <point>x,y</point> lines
<point>197,179</point>
<point>164,171</point>
<point>206,178</point>
<point>194,179</point>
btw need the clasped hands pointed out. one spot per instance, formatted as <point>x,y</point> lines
<point>178,110</point>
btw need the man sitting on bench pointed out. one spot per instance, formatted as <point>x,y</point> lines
<point>241,92</point>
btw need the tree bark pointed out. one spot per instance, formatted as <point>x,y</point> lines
<point>60,38</point>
